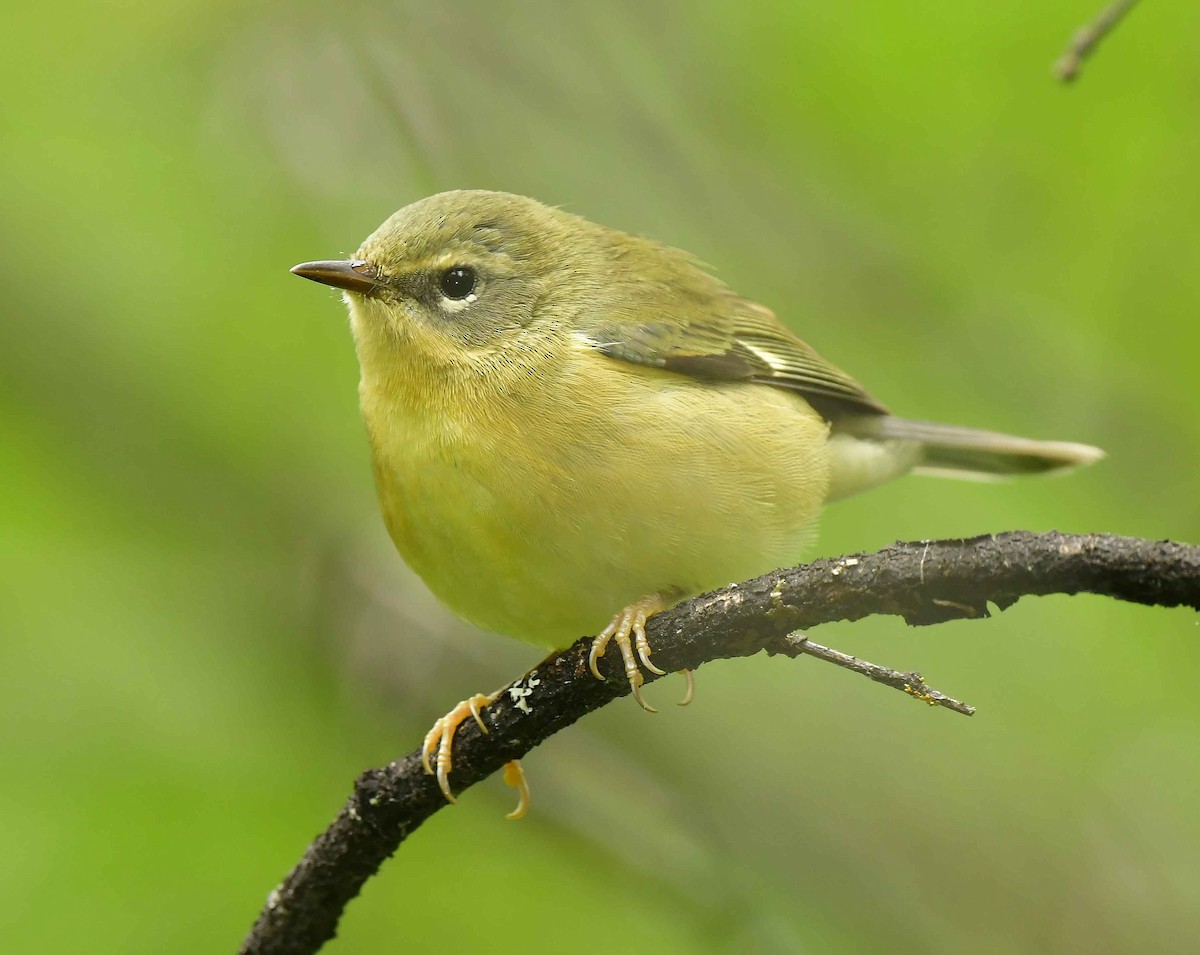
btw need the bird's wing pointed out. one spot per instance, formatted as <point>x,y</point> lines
<point>696,326</point>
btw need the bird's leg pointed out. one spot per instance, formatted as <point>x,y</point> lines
<point>440,741</point>
<point>632,622</point>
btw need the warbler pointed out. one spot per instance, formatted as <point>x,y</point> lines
<point>574,428</point>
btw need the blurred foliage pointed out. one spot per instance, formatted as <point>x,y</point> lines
<point>206,634</point>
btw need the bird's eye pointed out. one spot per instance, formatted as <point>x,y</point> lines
<point>458,282</point>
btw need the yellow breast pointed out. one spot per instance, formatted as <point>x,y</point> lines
<point>536,496</point>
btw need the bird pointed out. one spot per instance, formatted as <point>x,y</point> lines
<point>573,427</point>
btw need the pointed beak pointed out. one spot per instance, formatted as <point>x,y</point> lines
<point>352,275</point>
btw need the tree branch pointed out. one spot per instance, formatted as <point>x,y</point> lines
<point>924,582</point>
<point>1087,38</point>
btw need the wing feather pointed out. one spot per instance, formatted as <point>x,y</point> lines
<point>689,322</point>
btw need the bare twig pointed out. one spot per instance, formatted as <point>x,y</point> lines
<point>1088,37</point>
<point>911,682</point>
<point>924,582</point>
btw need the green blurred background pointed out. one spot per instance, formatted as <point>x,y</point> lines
<point>207,635</point>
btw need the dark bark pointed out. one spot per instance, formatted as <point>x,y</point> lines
<point>924,582</point>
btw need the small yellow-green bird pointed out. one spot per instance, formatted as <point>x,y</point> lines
<point>574,428</point>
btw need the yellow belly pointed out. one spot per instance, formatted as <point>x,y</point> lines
<point>541,515</point>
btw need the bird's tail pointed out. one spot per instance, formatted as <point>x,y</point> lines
<point>969,453</point>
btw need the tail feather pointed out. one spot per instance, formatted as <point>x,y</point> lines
<point>970,453</point>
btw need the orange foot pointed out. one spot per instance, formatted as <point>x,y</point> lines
<point>632,621</point>
<point>440,739</point>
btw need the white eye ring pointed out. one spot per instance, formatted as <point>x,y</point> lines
<point>457,304</point>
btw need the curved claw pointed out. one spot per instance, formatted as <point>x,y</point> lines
<point>628,629</point>
<point>430,744</point>
<point>440,739</point>
<point>443,780</point>
<point>642,644</point>
<point>637,695</point>
<point>473,703</point>
<point>691,688</point>
<point>599,645</point>
<point>514,775</point>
